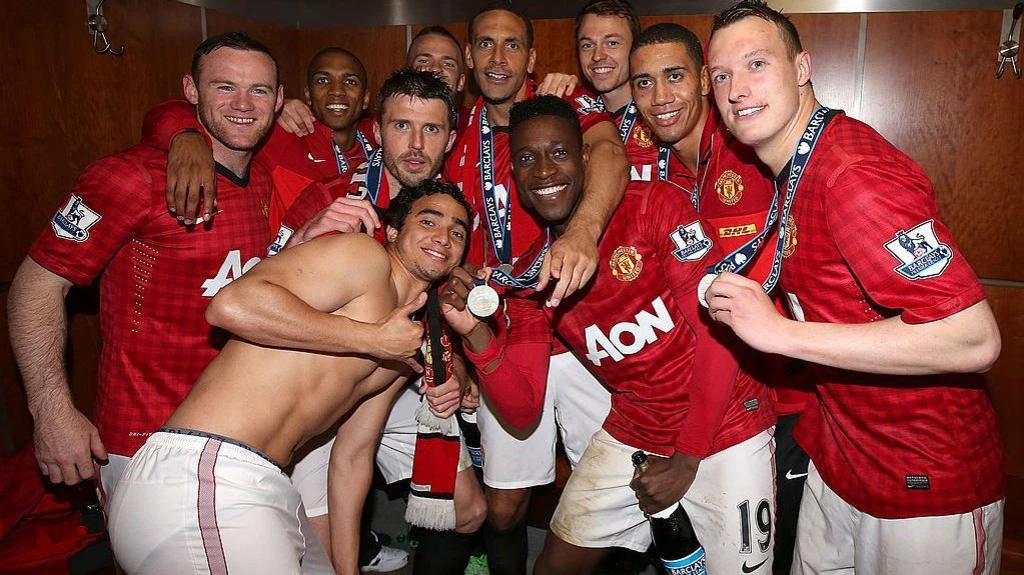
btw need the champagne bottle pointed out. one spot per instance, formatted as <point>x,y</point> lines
<point>471,435</point>
<point>674,539</point>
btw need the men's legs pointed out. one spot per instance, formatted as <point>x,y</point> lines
<point>825,532</point>
<point>790,474</point>
<point>511,467</point>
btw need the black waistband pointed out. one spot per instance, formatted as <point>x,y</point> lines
<point>208,435</point>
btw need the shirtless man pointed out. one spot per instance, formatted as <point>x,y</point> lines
<point>209,484</point>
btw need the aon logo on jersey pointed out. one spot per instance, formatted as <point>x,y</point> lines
<point>230,270</point>
<point>627,338</point>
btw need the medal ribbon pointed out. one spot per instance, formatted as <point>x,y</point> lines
<point>527,279</point>
<point>743,255</point>
<point>374,175</point>
<point>627,120</point>
<point>500,228</point>
<point>339,157</point>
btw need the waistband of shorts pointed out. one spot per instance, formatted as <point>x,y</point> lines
<point>244,452</point>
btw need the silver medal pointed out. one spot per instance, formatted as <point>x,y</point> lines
<point>482,301</point>
<point>702,288</point>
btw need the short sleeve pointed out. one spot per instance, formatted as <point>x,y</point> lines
<point>884,221</point>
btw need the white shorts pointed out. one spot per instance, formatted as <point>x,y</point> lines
<point>575,402</point>
<point>731,504</point>
<point>193,504</point>
<point>834,537</point>
<point>109,475</point>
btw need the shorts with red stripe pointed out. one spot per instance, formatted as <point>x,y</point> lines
<point>191,502</point>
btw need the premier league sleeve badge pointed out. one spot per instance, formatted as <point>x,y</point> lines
<point>919,251</point>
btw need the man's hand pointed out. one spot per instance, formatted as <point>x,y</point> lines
<point>741,304</point>
<point>444,399</point>
<point>664,482</point>
<point>296,118</point>
<point>343,215</point>
<point>399,338</point>
<point>66,442</point>
<point>453,302</point>
<point>557,84</point>
<point>572,261</point>
<point>191,176</point>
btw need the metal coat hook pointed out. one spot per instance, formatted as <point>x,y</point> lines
<point>1010,47</point>
<point>98,27</point>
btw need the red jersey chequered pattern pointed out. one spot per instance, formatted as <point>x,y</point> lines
<point>735,193</point>
<point>675,384</point>
<point>157,279</point>
<point>867,245</point>
<point>292,161</point>
<point>641,146</point>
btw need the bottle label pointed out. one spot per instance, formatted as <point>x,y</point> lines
<point>693,564</point>
<point>476,455</point>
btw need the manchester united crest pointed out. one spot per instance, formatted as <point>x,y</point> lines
<point>626,263</point>
<point>729,187</point>
<point>789,243</point>
<point>642,136</point>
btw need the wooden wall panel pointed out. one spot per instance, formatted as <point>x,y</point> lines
<point>831,40</point>
<point>381,50</point>
<point>929,87</point>
<point>62,106</point>
<point>556,47</point>
<point>283,43</point>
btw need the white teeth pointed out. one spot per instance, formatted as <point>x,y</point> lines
<point>601,70</point>
<point>437,255</point>
<point>749,111</point>
<point>236,120</point>
<point>666,115</point>
<point>339,107</point>
<point>497,76</point>
<point>549,190</point>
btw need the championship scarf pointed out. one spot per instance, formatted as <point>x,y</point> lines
<point>438,448</point>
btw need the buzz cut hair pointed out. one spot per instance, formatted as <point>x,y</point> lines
<point>540,106</point>
<point>311,69</point>
<point>620,8</point>
<point>423,84</point>
<point>760,9</point>
<point>668,33</point>
<point>234,40</point>
<point>505,6</point>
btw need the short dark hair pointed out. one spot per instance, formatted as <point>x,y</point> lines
<point>668,33</point>
<point>760,9</point>
<point>401,204</point>
<point>437,31</point>
<point>417,84</point>
<point>310,69</point>
<point>620,8</point>
<point>236,40</point>
<point>507,7</point>
<point>545,106</point>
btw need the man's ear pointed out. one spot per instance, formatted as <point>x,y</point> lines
<point>451,141</point>
<point>586,154</point>
<point>803,69</point>
<point>469,55</point>
<point>280,99</point>
<point>460,84</point>
<point>309,99</point>
<point>533,60</point>
<point>376,131</point>
<point>366,101</point>
<point>705,81</point>
<point>188,86</point>
<point>390,233</point>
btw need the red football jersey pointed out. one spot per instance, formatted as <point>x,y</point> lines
<point>868,244</point>
<point>292,161</point>
<point>736,191</point>
<point>157,279</point>
<point>675,384</point>
<point>319,195</point>
<point>641,147</point>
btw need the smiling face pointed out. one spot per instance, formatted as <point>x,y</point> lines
<point>438,54</point>
<point>433,236</point>
<point>548,161</point>
<point>336,90</point>
<point>669,90</point>
<point>603,44</point>
<point>758,83</point>
<point>498,55</point>
<point>236,95</point>
<point>414,135</point>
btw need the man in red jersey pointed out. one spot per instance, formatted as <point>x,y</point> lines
<point>605,31</point>
<point>732,190</point>
<point>157,277</point>
<point>678,391</point>
<point>907,472</point>
<point>337,93</point>
<point>500,53</point>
